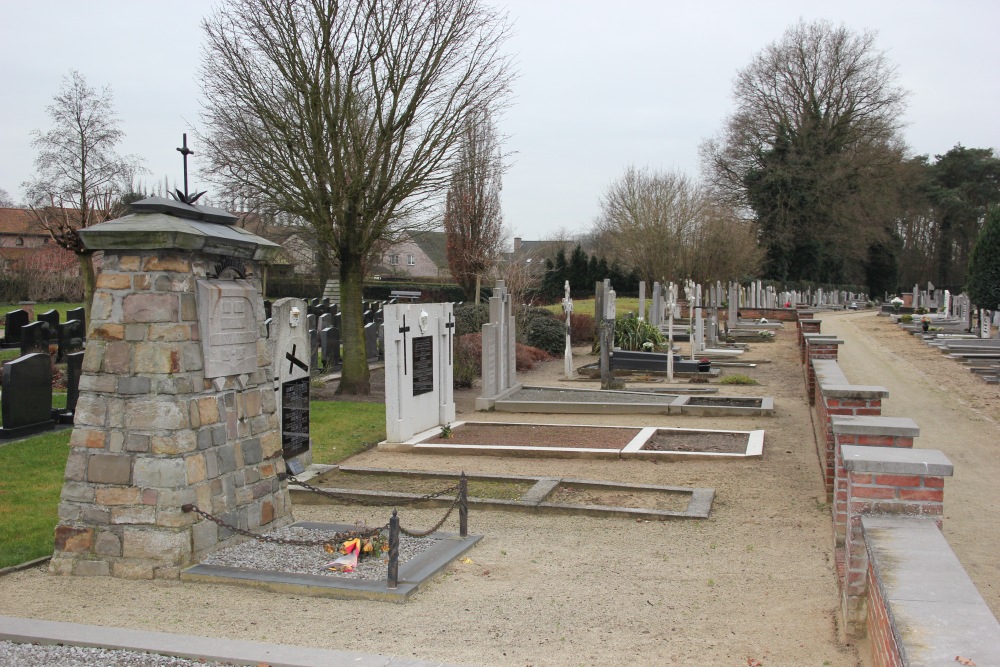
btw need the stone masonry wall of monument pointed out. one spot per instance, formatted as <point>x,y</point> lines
<point>152,433</point>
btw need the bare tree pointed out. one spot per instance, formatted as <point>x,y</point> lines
<point>473,221</point>
<point>79,177</point>
<point>347,114</point>
<point>6,201</point>
<point>815,134</point>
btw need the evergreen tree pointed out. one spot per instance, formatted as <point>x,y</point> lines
<point>983,278</point>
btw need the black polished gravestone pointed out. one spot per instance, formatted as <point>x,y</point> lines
<point>77,314</point>
<point>52,317</point>
<point>14,321</point>
<point>267,309</point>
<point>423,365</point>
<point>74,367</point>
<point>329,347</point>
<point>35,338</point>
<point>314,352</point>
<point>371,341</point>
<point>295,417</point>
<point>26,401</point>
<point>70,337</point>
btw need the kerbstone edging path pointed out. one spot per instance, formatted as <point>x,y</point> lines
<point>964,434</point>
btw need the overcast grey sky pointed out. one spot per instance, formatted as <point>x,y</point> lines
<point>602,84</point>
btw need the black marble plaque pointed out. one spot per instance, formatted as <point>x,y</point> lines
<point>295,417</point>
<point>423,365</point>
<point>26,402</point>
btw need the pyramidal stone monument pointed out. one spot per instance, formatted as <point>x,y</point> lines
<point>177,399</point>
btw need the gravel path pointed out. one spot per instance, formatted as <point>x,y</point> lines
<point>31,655</point>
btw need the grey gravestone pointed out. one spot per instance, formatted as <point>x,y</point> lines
<point>14,321</point>
<point>70,336</point>
<point>371,341</point>
<point>314,351</point>
<point>323,321</point>
<point>26,402</point>
<point>52,317</point>
<point>329,345</point>
<point>35,338</point>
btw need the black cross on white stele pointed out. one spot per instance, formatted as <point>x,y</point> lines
<point>450,327</point>
<point>293,361</point>
<point>404,330</point>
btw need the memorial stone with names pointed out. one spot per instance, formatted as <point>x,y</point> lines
<point>26,399</point>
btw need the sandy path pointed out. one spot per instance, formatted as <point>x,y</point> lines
<point>956,413</point>
<point>754,581</point>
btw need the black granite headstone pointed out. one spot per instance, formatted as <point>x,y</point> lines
<point>52,317</point>
<point>314,352</point>
<point>423,365</point>
<point>70,336</point>
<point>74,367</point>
<point>35,338</point>
<point>13,322</point>
<point>267,309</point>
<point>329,345</point>
<point>295,417</point>
<point>76,314</point>
<point>26,402</point>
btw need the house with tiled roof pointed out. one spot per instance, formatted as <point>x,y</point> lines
<point>416,255</point>
<point>19,230</point>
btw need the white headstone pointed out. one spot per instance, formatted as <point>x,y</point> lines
<point>642,299</point>
<point>567,305</point>
<point>290,358</point>
<point>499,348</point>
<point>419,390</point>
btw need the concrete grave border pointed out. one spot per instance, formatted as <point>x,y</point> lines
<point>415,445</point>
<point>412,574</point>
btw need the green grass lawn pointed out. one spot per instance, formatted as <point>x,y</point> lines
<point>34,469</point>
<point>586,306</point>
<point>29,495</point>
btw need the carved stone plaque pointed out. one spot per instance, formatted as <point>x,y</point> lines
<point>228,327</point>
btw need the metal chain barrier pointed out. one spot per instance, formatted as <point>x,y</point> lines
<point>330,541</point>
<point>425,533</point>
<point>371,502</point>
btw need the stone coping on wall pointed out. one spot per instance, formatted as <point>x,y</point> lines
<point>896,461</point>
<point>936,613</point>
<point>872,425</point>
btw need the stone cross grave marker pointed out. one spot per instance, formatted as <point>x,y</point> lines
<point>291,354</point>
<point>419,363</point>
<point>567,304</point>
<point>26,401</point>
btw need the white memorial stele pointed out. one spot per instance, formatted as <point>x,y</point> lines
<point>419,364</point>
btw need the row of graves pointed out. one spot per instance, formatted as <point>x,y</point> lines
<point>26,398</point>
<point>953,325</point>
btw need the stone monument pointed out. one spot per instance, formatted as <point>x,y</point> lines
<point>177,401</point>
<point>499,350</point>
<point>419,364</point>
<point>289,348</point>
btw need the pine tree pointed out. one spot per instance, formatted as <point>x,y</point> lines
<point>983,278</point>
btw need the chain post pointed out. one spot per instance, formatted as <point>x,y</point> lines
<point>393,569</point>
<point>463,505</point>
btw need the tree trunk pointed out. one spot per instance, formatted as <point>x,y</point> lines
<point>89,282</point>
<point>478,286</point>
<point>354,376</point>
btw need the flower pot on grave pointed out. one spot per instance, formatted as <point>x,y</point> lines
<point>926,325</point>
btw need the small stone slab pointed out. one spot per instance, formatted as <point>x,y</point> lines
<point>896,461</point>
<point>412,574</point>
<point>872,425</point>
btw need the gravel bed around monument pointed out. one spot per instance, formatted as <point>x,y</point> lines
<point>308,560</point>
<point>34,655</point>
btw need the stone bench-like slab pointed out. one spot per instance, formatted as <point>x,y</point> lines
<point>935,612</point>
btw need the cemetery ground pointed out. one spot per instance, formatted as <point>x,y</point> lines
<point>754,582</point>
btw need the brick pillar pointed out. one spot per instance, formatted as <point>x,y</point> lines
<point>863,432</point>
<point>807,327</point>
<point>817,346</point>
<point>847,400</point>
<point>884,481</point>
<point>800,316</point>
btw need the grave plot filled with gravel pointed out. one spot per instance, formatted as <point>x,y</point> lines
<point>34,655</point>
<point>309,560</point>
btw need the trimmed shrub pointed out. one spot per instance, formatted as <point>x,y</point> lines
<point>470,318</point>
<point>468,360</point>
<point>546,333</point>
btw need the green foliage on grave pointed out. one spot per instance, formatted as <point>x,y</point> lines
<point>341,429</point>
<point>29,495</point>
<point>632,334</point>
<point>983,277</point>
<point>738,379</point>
